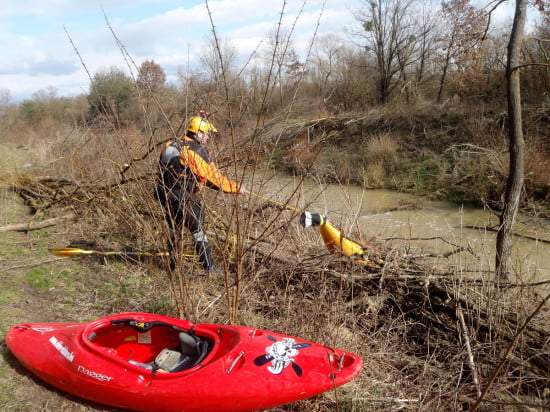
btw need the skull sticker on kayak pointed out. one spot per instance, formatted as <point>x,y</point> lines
<point>281,354</point>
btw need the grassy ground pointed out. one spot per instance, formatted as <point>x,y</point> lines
<point>402,321</point>
<point>39,287</point>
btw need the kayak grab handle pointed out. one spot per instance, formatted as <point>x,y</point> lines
<point>341,362</point>
<point>239,356</point>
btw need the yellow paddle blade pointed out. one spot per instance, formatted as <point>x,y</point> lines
<point>69,252</point>
<point>335,241</point>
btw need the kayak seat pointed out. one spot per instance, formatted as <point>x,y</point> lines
<point>192,350</point>
<point>192,347</point>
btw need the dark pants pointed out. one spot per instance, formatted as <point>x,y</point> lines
<point>186,209</point>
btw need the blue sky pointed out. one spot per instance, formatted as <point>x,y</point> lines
<point>36,53</point>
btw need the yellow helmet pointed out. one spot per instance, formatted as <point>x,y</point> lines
<point>198,123</point>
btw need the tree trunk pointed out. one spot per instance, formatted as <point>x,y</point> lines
<point>503,262</point>
<point>444,74</point>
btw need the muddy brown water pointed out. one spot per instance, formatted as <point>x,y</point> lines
<point>419,226</point>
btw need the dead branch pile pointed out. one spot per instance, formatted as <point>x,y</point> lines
<point>450,331</point>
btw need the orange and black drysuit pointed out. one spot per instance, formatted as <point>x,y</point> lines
<point>184,166</point>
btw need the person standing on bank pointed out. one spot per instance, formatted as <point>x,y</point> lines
<point>184,167</point>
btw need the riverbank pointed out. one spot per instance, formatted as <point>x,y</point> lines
<point>459,154</point>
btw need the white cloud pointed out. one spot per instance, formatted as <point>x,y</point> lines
<point>37,53</point>
<point>63,7</point>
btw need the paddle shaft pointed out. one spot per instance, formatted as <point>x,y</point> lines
<point>331,236</point>
<point>68,252</point>
<point>285,205</point>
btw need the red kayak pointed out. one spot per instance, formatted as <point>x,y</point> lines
<point>148,362</point>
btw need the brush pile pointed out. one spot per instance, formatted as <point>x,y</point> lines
<point>431,341</point>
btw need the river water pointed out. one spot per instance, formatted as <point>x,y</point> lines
<point>418,226</point>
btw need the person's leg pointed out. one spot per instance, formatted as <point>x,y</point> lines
<point>161,196</point>
<point>174,211</point>
<point>194,221</point>
<point>203,249</point>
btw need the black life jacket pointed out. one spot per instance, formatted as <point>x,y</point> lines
<point>172,174</point>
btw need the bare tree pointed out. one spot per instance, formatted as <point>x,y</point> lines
<point>464,28</point>
<point>5,97</point>
<point>218,59</point>
<point>515,135</point>
<point>327,52</point>
<point>514,187</point>
<point>391,33</point>
<point>430,31</point>
<point>278,50</point>
<point>536,79</point>
<point>151,76</point>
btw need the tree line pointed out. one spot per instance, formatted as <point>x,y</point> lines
<point>399,52</point>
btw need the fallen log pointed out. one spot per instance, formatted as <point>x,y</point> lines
<point>25,227</point>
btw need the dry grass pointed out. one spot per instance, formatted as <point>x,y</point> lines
<point>381,148</point>
<point>374,175</point>
<point>402,320</point>
<point>537,178</point>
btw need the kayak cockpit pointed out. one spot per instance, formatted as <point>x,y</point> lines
<point>155,346</point>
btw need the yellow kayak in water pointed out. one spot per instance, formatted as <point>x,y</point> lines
<point>336,242</point>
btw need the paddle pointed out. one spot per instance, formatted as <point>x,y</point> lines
<point>285,205</point>
<point>333,238</point>
<point>69,252</point>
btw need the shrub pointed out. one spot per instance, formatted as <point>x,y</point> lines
<point>110,96</point>
<point>381,148</point>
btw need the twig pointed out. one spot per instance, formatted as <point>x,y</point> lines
<point>508,350</point>
<point>43,262</point>
<point>492,229</point>
<point>471,362</point>
<point>388,400</point>
<point>30,192</point>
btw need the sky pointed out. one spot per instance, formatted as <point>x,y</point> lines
<point>54,45</point>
